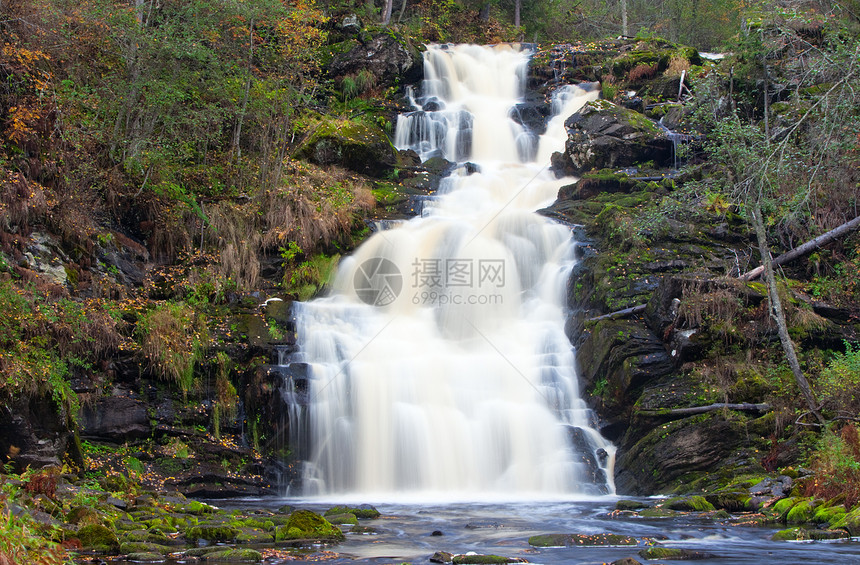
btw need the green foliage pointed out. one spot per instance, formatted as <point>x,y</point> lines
<point>839,383</point>
<point>835,459</point>
<point>173,338</point>
<point>311,276</point>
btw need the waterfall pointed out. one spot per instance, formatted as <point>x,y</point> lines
<point>439,365</point>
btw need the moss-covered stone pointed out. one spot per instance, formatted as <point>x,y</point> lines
<point>690,504</point>
<point>211,533</point>
<point>631,505</point>
<point>307,525</point>
<point>802,534</point>
<point>234,556</point>
<point>99,538</point>
<point>341,519</point>
<point>364,512</point>
<point>801,512</point>
<point>673,554</point>
<point>482,559</point>
<point>849,522</point>
<point>576,540</point>
<point>143,547</point>
<point>145,557</point>
<point>825,514</point>
<point>83,516</point>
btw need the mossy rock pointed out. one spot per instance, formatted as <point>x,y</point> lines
<point>145,557</point>
<point>828,514</point>
<point>690,504</point>
<point>658,513</point>
<point>580,540</point>
<point>143,547</point>
<point>195,507</point>
<point>849,522</point>
<point>631,505</point>
<point>351,144</point>
<point>737,501</point>
<point>83,516</point>
<point>134,536</point>
<point>99,538</point>
<point>307,525</point>
<point>255,535</point>
<point>802,534</point>
<point>363,512</point>
<point>801,512</point>
<point>784,505</point>
<point>211,533</point>
<point>364,530</point>
<point>478,559</point>
<point>234,556</point>
<point>673,554</point>
<point>343,519</point>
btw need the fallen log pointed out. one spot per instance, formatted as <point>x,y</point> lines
<point>806,248</point>
<point>619,313</point>
<point>744,407</point>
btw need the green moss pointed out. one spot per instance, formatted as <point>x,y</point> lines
<point>463,559</point>
<point>339,519</point>
<point>235,556</point>
<point>362,512</point>
<point>801,512</point>
<point>143,547</point>
<point>828,514</point>
<point>98,538</point>
<point>672,554</point>
<point>784,505</point>
<point>145,557</point>
<point>849,522</point>
<point>630,505</point>
<point>211,533</point>
<point>690,504</point>
<point>304,524</point>
<point>576,540</point>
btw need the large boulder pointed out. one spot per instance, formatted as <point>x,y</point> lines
<point>357,146</point>
<point>116,418</point>
<point>603,135</point>
<point>386,57</point>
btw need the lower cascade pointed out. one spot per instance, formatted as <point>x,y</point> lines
<point>438,365</point>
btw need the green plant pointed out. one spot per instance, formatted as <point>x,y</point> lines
<point>173,338</point>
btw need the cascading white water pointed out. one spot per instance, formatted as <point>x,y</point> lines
<point>439,364</point>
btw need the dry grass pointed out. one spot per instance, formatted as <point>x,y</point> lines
<point>716,309</point>
<point>677,65</point>
<point>642,72</point>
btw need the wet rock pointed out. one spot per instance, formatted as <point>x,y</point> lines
<point>232,555</point>
<point>145,557</point>
<point>116,418</point>
<point>307,525</point>
<point>471,558</point>
<point>98,538</point>
<point>602,135</point>
<point>802,534</point>
<point>362,512</point>
<point>631,505</point>
<point>442,557</point>
<point>689,504</point>
<point>387,57</point>
<point>577,540</point>
<point>674,554</point>
<point>626,561</point>
<point>36,434</point>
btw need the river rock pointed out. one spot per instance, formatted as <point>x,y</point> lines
<point>603,135</point>
<point>577,540</point>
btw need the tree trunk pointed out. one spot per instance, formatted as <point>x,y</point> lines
<point>386,12</point>
<point>807,247</point>
<point>778,314</point>
<point>624,30</point>
<point>237,133</point>
<point>518,4</point>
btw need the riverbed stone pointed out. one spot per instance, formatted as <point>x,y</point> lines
<point>674,554</point>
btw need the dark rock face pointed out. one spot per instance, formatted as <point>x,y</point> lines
<point>602,135</point>
<point>116,418</point>
<point>384,56</point>
<point>676,448</point>
<point>34,433</point>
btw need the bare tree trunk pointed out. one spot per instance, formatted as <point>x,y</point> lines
<point>624,18</point>
<point>807,247</point>
<point>237,133</point>
<point>518,5</point>
<point>386,12</point>
<point>778,314</point>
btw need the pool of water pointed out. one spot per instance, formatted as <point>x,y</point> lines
<point>413,532</point>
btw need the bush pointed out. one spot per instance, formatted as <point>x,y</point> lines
<point>836,462</point>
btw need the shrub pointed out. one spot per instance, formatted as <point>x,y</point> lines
<point>836,462</point>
